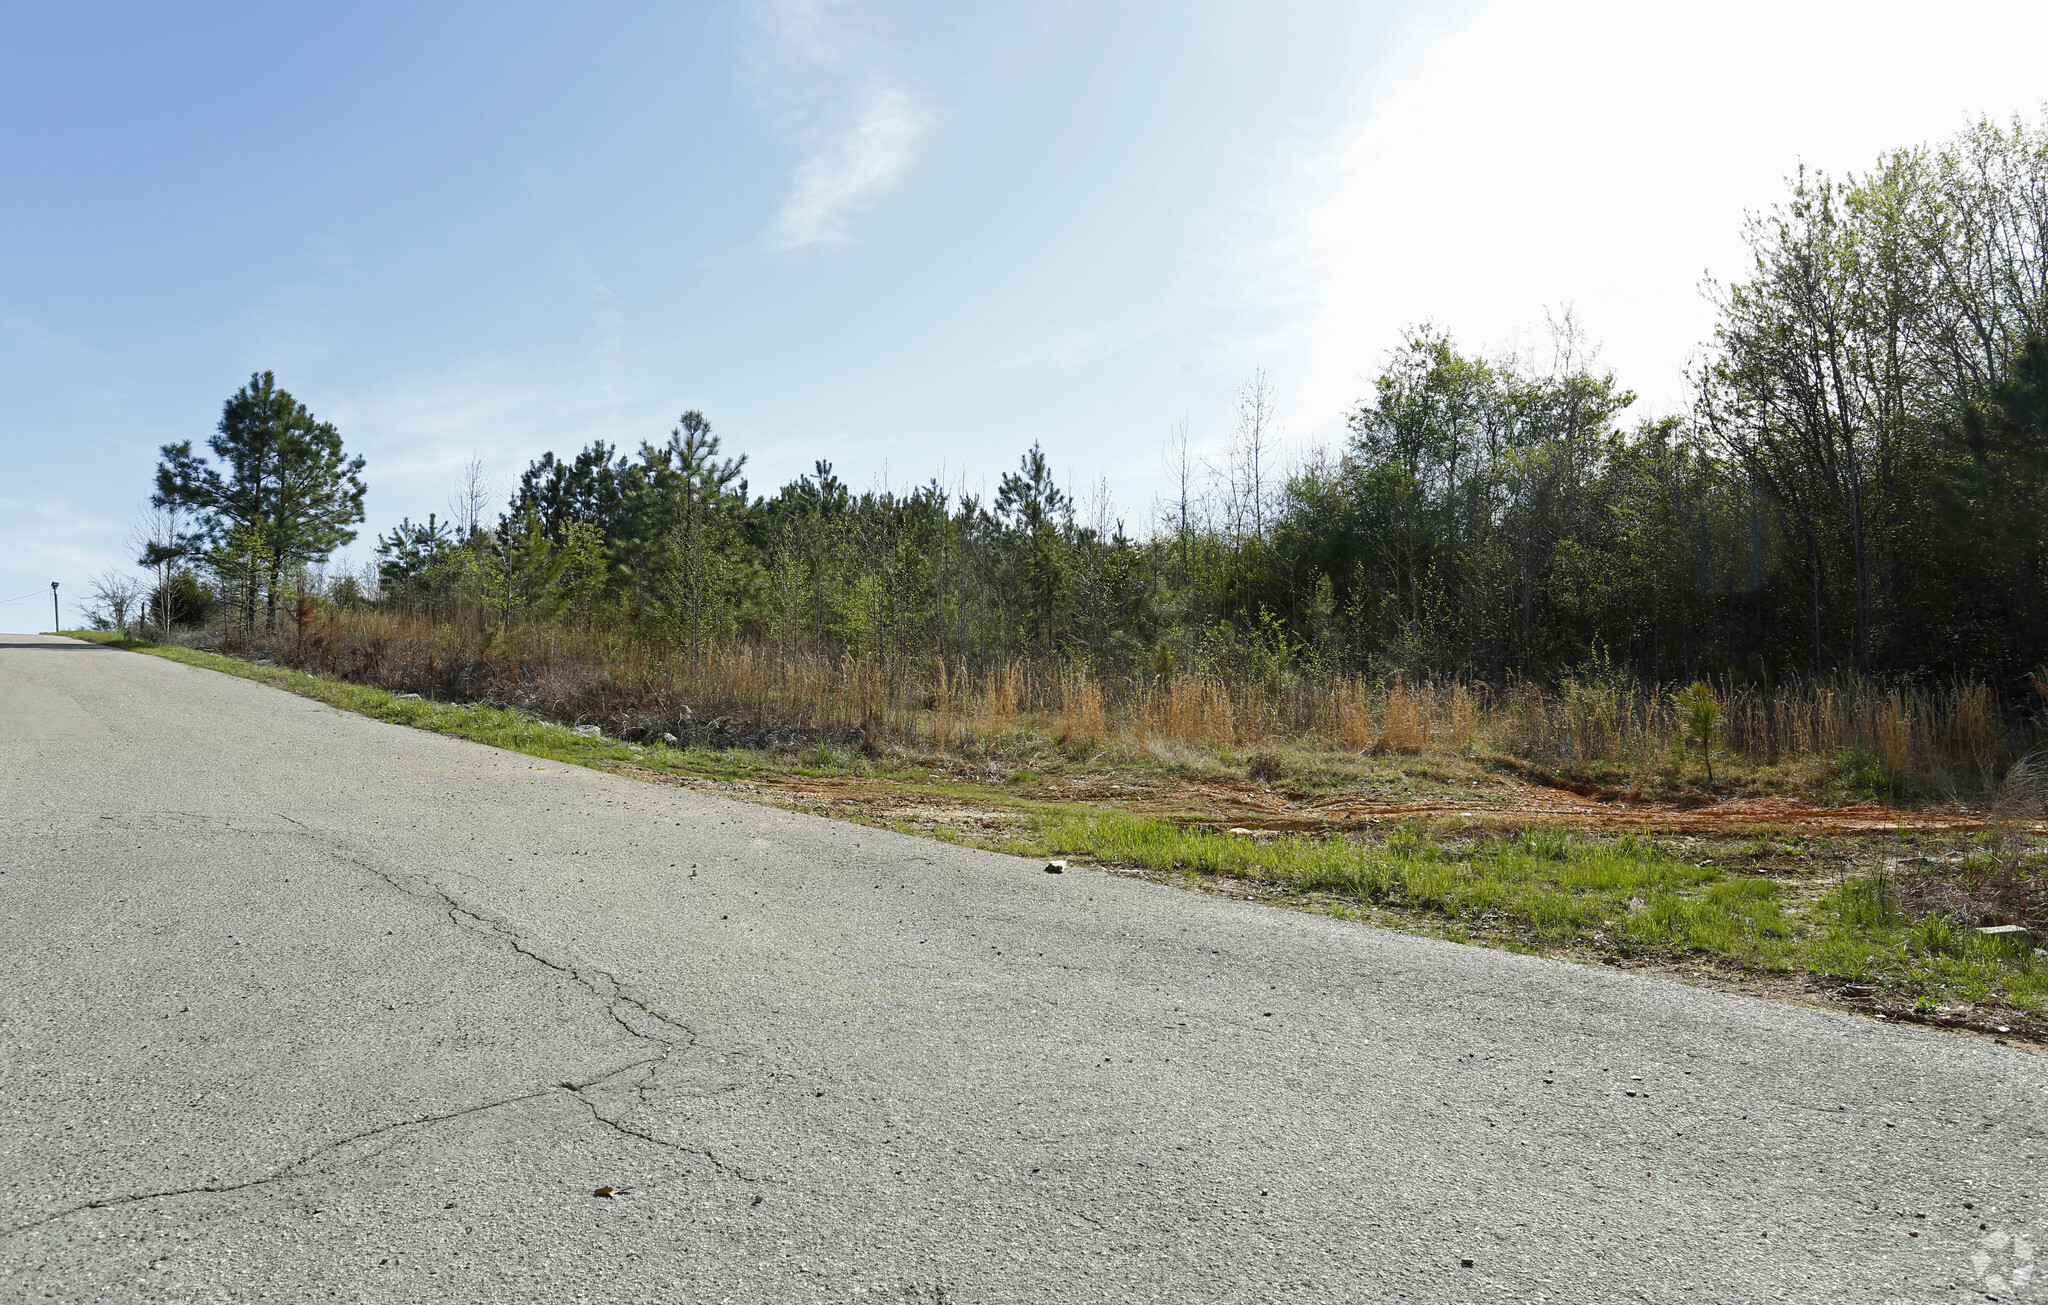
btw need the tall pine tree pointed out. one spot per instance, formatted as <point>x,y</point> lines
<point>284,494</point>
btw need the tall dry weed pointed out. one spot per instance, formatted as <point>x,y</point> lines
<point>1958,736</point>
<point>1350,710</point>
<point>1404,720</point>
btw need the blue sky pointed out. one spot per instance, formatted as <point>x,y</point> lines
<point>911,238</point>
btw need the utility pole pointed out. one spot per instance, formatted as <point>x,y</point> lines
<point>56,622</point>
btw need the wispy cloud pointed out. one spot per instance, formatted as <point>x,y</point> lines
<point>826,68</point>
<point>836,181</point>
<point>804,32</point>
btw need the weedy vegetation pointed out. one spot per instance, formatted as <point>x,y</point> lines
<point>1891,925</point>
<point>1821,582</point>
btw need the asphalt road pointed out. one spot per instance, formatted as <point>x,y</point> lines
<point>301,1006</point>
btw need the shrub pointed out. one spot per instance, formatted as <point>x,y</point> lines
<point>1699,716</point>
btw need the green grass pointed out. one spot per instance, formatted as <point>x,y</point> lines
<point>497,726</point>
<point>517,731</point>
<point>1537,891</point>
<point>1549,891</point>
<point>1861,935</point>
<point>1548,888</point>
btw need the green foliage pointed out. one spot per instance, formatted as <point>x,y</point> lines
<point>532,575</point>
<point>1877,381</point>
<point>1859,775</point>
<point>679,541</point>
<point>1542,890</point>
<point>411,551</point>
<point>588,490</point>
<point>1547,844</point>
<point>1860,907</point>
<point>1862,484</point>
<point>1034,509</point>
<point>1936,935</point>
<point>190,601</point>
<point>1699,714</point>
<point>284,494</point>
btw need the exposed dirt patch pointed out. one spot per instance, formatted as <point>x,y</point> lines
<point>1518,805</point>
<point>1221,802</point>
<point>1805,847</point>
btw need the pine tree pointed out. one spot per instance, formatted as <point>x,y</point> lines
<point>284,495</point>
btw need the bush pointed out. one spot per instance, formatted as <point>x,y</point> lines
<point>192,603</point>
<point>1699,716</point>
<point>1858,774</point>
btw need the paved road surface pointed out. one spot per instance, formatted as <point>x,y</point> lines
<point>301,1006</point>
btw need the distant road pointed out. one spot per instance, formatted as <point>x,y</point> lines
<point>302,1006</point>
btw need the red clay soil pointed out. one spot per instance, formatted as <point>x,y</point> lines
<point>1526,805</point>
<point>1227,803</point>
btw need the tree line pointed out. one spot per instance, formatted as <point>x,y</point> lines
<point>1858,485</point>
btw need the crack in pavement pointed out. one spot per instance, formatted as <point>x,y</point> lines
<point>294,1169</point>
<point>619,1004</point>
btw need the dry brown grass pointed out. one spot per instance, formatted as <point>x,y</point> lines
<point>1954,738</point>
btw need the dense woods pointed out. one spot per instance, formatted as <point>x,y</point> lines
<point>1857,489</point>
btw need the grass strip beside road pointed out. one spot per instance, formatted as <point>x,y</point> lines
<point>1548,891</point>
<point>1538,891</point>
<point>512,730</point>
<point>1550,887</point>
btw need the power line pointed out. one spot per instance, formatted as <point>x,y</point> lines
<point>38,594</point>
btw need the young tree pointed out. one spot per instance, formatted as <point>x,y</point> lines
<point>1793,406</point>
<point>114,593</point>
<point>590,490</point>
<point>682,503</point>
<point>472,498</point>
<point>1034,508</point>
<point>1181,497</point>
<point>1250,470</point>
<point>1992,521</point>
<point>1423,472</point>
<point>410,551</point>
<point>284,495</point>
<point>157,543</point>
<point>1028,497</point>
<point>533,577</point>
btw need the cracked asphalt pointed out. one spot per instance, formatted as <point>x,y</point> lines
<point>302,1006</point>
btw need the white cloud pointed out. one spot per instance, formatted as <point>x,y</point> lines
<point>1598,154</point>
<point>833,183</point>
<point>826,70</point>
<point>805,32</point>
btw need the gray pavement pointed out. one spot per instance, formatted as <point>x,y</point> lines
<point>301,1006</point>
